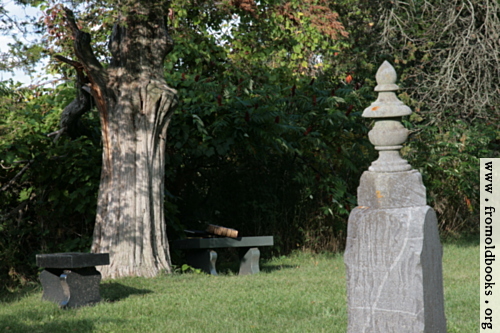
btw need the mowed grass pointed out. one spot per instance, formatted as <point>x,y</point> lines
<point>299,293</point>
<point>461,285</point>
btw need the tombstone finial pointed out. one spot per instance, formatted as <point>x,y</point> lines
<point>386,78</point>
<point>388,134</point>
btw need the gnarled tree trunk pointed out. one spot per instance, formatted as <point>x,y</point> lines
<point>135,106</point>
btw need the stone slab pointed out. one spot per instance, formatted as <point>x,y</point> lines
<point>394,273</point>
<point>70,260</point>
<point>215,243</point>
<point>391,189</point>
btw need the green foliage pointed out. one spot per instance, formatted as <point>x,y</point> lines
<point>48,190</point>
<point>267,137</point>
<point>448,157</point>
<point>258,143</point>
<point>300,36</point>
<point>266,158</point>
<point>241,118</point>
<point>186,269</point>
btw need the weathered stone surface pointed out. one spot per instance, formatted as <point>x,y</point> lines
<point>391,189</point>
<point>53,290</point>
<point>387,104</point>
<point>71,288</point>
<point>394,275</point>
<point>388,134</point>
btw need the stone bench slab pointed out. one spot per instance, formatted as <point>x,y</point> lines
<point>217,243</point>
<point>200,253</point>
<point>71,260</point>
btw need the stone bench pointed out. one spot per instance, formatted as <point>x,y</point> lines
<point>71,279</point>
<point>200,251</point>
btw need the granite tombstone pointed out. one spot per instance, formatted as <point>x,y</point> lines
<point>393,254</point>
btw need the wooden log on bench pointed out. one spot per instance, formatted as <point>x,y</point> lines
<point>222,231</point>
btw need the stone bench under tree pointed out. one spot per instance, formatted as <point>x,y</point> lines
<point>71,279</point>
<point>200,252</point>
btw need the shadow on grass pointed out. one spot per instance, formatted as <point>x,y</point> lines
<point>114,291</point>
<point>45,324</point>
<point>269,268</point>
<point>233,268</point>
<point>20,292</point>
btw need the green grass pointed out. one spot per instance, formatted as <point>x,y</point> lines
<point>299,293</point>
<point>461,284</point>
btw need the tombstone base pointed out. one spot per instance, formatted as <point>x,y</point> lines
<point>71,287</point>
<point>394,273</point>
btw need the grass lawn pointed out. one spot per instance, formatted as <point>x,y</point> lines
<point>299,293</point>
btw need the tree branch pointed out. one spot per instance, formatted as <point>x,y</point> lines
<point>82,46</point>
<point>78,67</point>
<point>96,74</point>
<point>13,180</point>
<point>70,117</point>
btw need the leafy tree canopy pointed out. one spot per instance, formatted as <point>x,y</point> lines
<point>301,35</point>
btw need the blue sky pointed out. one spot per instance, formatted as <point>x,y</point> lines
<point>16,12</point>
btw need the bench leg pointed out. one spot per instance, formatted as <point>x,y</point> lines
<point>203,259</point>
<point>249,263</point>
<point>71,288</point>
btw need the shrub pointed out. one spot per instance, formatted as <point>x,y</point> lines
<point>448,158</point>
<point>48,190</point>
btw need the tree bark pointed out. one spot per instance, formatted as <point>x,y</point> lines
<point>135,106</point>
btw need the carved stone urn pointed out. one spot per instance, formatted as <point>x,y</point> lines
<point>388,134</point>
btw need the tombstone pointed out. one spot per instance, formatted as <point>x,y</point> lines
<point>393,254</point>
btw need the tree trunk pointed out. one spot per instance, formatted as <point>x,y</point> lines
<point>135,106</point>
